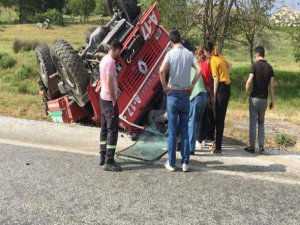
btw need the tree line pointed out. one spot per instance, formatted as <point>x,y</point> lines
<point>243,21</point>
<point>31,10</point>
<point>246,22</point>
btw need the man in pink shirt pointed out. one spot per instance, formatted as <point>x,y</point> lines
<point>109,108</point>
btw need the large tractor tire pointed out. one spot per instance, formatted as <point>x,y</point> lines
<point>130,9</point>
<point>44,61</point>
<point>47,70</point>
<point>71,68</point>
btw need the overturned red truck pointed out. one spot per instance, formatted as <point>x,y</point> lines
<point>70,83</point>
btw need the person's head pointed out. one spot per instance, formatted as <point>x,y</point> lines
<point>188,45</point>
<point>174,36</point>
<point>200,54</point>
<point>208,48</point>
<point>259,52</point>
<point>211,50</point>
<point>115,48</point>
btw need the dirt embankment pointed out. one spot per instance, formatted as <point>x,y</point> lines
<point>277,132</point>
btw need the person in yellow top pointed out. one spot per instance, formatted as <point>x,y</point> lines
<point>220,69</point>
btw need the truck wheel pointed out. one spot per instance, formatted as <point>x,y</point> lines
<point>44,61</point>
<point>71,68</point>
<point>46,69</point>
<point>130,8</point>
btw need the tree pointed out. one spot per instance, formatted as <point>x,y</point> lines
<point>296,41</point>
<point>101,7</point>
<point>54,4</point>
<point>296,44</point>
<point>28,8</point>
<point>213,19</point>
<point>83,8</point>
<point>25,8</point>
<point>253,22</point>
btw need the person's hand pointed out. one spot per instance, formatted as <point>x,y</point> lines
<point>214,98</point>
<point>191,87</point>
<point>167,89</point>
<point>271,105</point>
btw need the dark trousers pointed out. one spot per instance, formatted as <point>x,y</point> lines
<point>222,99</point>
<point>109,130</point>
<point>208,121</point>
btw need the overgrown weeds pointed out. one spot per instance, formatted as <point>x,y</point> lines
<point>285,140</point>
<point>24,45</point>
<point>23,80</point>
<point>6,61</point>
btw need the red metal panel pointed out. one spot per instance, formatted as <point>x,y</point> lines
<point>71,111</point>
<point>145,91</point>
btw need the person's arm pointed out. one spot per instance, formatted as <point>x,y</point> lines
<point>248,86</point>
<point>229,66</point>
<point>162,73</point>
<point>215,75</point>
<point>271,105</point>
<point>111,89</point>
<point>198,73</point>
<point>216,84</point>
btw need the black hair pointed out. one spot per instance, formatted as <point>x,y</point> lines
<point>260,50</point>
<point>189,45</point>
<point>116,44</point>
<point>174,36</point>
<point>209,46</point>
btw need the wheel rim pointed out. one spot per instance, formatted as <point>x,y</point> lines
<point>43,73</point>
<point>67,77</point>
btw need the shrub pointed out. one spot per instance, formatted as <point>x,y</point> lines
<point>23,72</point>
<point>285,140</point>
<point>21,45</point>
<point>6,61</point>
<point>23,88</point>
<point>53,15</point>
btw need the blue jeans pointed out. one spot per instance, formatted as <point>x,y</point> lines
<point>197,107</point>
<point>178,107</point>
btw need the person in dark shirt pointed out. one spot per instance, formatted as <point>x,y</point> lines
<point>260,77</point>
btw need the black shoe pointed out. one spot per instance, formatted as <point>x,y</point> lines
<point>261,150</point>
<point>112,167</point>
<point>192,153</point>
<point>217,152</point>
<point>102,161</point>
<point>250,150</point>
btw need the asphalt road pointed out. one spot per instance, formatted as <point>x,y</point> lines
<point>39,186</point>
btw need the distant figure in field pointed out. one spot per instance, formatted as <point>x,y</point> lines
<point>261,75</point>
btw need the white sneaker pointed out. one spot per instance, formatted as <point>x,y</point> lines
<point>198,145</point>
<point>168,167</point>
<point>185,167</point>
<point>203,144</point>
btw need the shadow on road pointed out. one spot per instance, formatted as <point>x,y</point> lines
<point>219,165</point>
<point>138,165</point>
